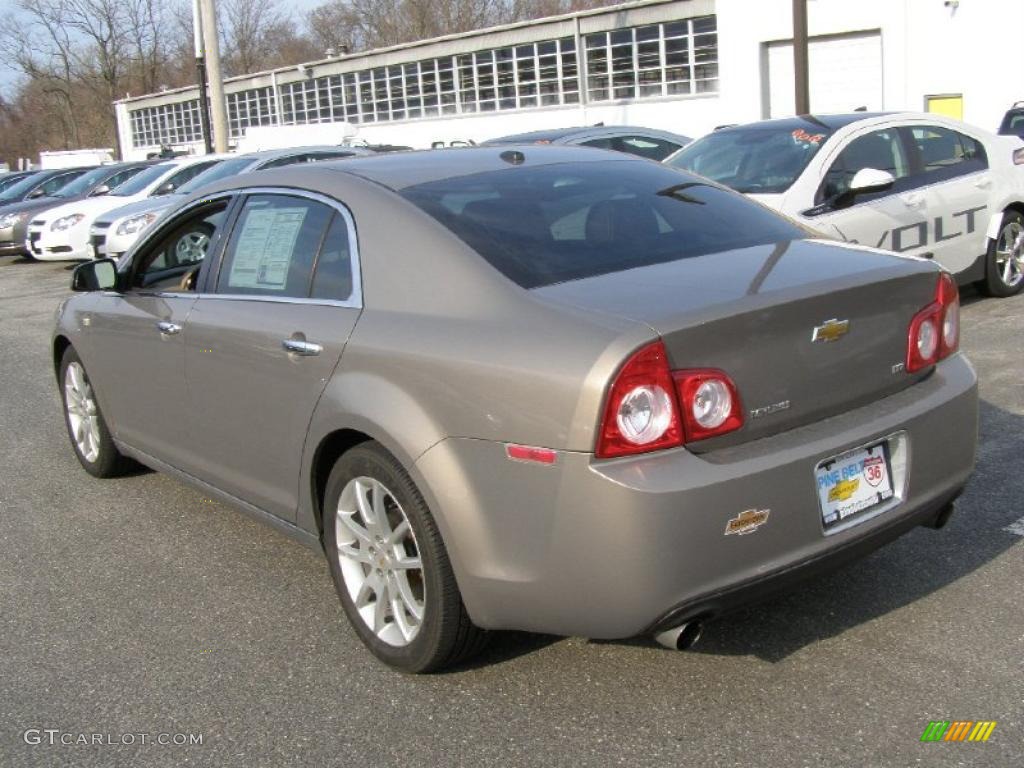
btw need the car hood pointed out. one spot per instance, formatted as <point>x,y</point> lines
<point>90,207</point>
<point>34,206</point>
<point>145,205</point>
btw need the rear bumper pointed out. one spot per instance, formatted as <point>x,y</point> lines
<point>612,549</point>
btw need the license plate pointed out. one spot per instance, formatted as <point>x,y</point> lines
<point>853,483</point>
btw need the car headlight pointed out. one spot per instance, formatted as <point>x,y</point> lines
<point>9,220</point>
<point>135,224</point>
<point>66,222</point>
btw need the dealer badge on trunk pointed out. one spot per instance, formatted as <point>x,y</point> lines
<point>747,521</point>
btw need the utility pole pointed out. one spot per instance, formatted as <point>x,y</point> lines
<point>211,49</point>
<point>800,74</point>
<point>204,106</point>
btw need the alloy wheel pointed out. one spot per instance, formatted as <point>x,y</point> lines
<point>83,417</point>
<point>380,561</point>
<point>191,247</point>
<point>1010,254</point>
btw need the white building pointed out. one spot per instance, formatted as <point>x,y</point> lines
<point>682,65</point>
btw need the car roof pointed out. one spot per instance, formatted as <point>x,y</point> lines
<point>407,169</point>
<point>808,122</point>
<point>554,135</point>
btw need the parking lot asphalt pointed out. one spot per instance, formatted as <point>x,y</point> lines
<point>138,607</point>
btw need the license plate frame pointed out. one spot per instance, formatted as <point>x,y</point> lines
<point>855,485</point>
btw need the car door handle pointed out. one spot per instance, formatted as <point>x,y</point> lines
<point>168,329</point>
<point>302,348</point>
<point>983,183</point>
<point>913,201</point>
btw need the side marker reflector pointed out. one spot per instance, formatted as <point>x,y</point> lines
<point>530,453</point>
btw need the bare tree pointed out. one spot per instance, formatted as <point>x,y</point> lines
<point>257,35</point>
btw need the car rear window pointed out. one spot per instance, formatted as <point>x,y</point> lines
<point>553,223</point>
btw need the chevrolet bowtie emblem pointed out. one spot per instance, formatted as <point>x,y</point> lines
<point>830,330</point>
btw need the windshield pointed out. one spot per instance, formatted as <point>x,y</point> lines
<point>6,182</point>
<point>552,223</point>
<point>220,171</point>
<point>17,190</point>
<point>85,182</point>
<point>759,160</point>
<point>142,179</point>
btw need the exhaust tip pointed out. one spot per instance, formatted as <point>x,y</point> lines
<point>682,637</point>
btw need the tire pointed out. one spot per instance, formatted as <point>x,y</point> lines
<point>87,429</point>
<point>366,478</point>
<point>1004,263</point>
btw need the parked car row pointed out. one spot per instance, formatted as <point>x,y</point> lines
<point>538,387</point>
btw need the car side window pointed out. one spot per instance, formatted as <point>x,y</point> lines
<point>306,157</point>
<point>332,278</point>
<point>642,146</point>
<point>121,177</point>
<point>51,185</point>
<point>647,146</point>
<point>273,246</point>
<point>187,173</point>
<point>172,261</point>
<point>945,154</point>
<point>881,150</point>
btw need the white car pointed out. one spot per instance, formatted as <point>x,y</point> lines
<point>116,231</point>
<point>62,233</point>
<point>918,184</point>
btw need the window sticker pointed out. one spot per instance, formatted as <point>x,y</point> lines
<point>800,136</point>
<point>264,252</point>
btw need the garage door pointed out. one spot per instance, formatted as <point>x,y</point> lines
<point>845,73</point>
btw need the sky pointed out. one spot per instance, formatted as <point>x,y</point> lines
<point>9,76</point>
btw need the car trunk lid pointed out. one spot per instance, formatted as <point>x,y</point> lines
<point>806,329</point>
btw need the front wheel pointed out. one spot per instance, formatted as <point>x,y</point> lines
<point>1004,265</point>
<point>390,566</point>
<point>90,437</point>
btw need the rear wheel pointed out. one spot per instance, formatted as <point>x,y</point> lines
<point>90,437</point>
<point>390,566</point>
<point>1004,267</point>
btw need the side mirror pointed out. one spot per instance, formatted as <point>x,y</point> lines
<point>871,180</point>
<point>36,193</point>
<point>99,275</point>
<point>165,189</point>
<point>102,189</point>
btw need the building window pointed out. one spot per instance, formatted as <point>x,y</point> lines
<point>255,106</point>
<point>166,125</point>
<point>678,57</point>
<point>650,61</point>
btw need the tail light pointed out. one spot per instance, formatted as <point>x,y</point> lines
<point>710,403</point>
<point>935,330</point>
<point>650,407</point>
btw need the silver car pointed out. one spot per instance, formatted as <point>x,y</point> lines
<point>535,388</point>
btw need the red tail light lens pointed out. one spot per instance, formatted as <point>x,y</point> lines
<point>949,298</point>
<point>710,403</point>
<point>641,413</point>
<point>935,330</point>
<point>650,407</point>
